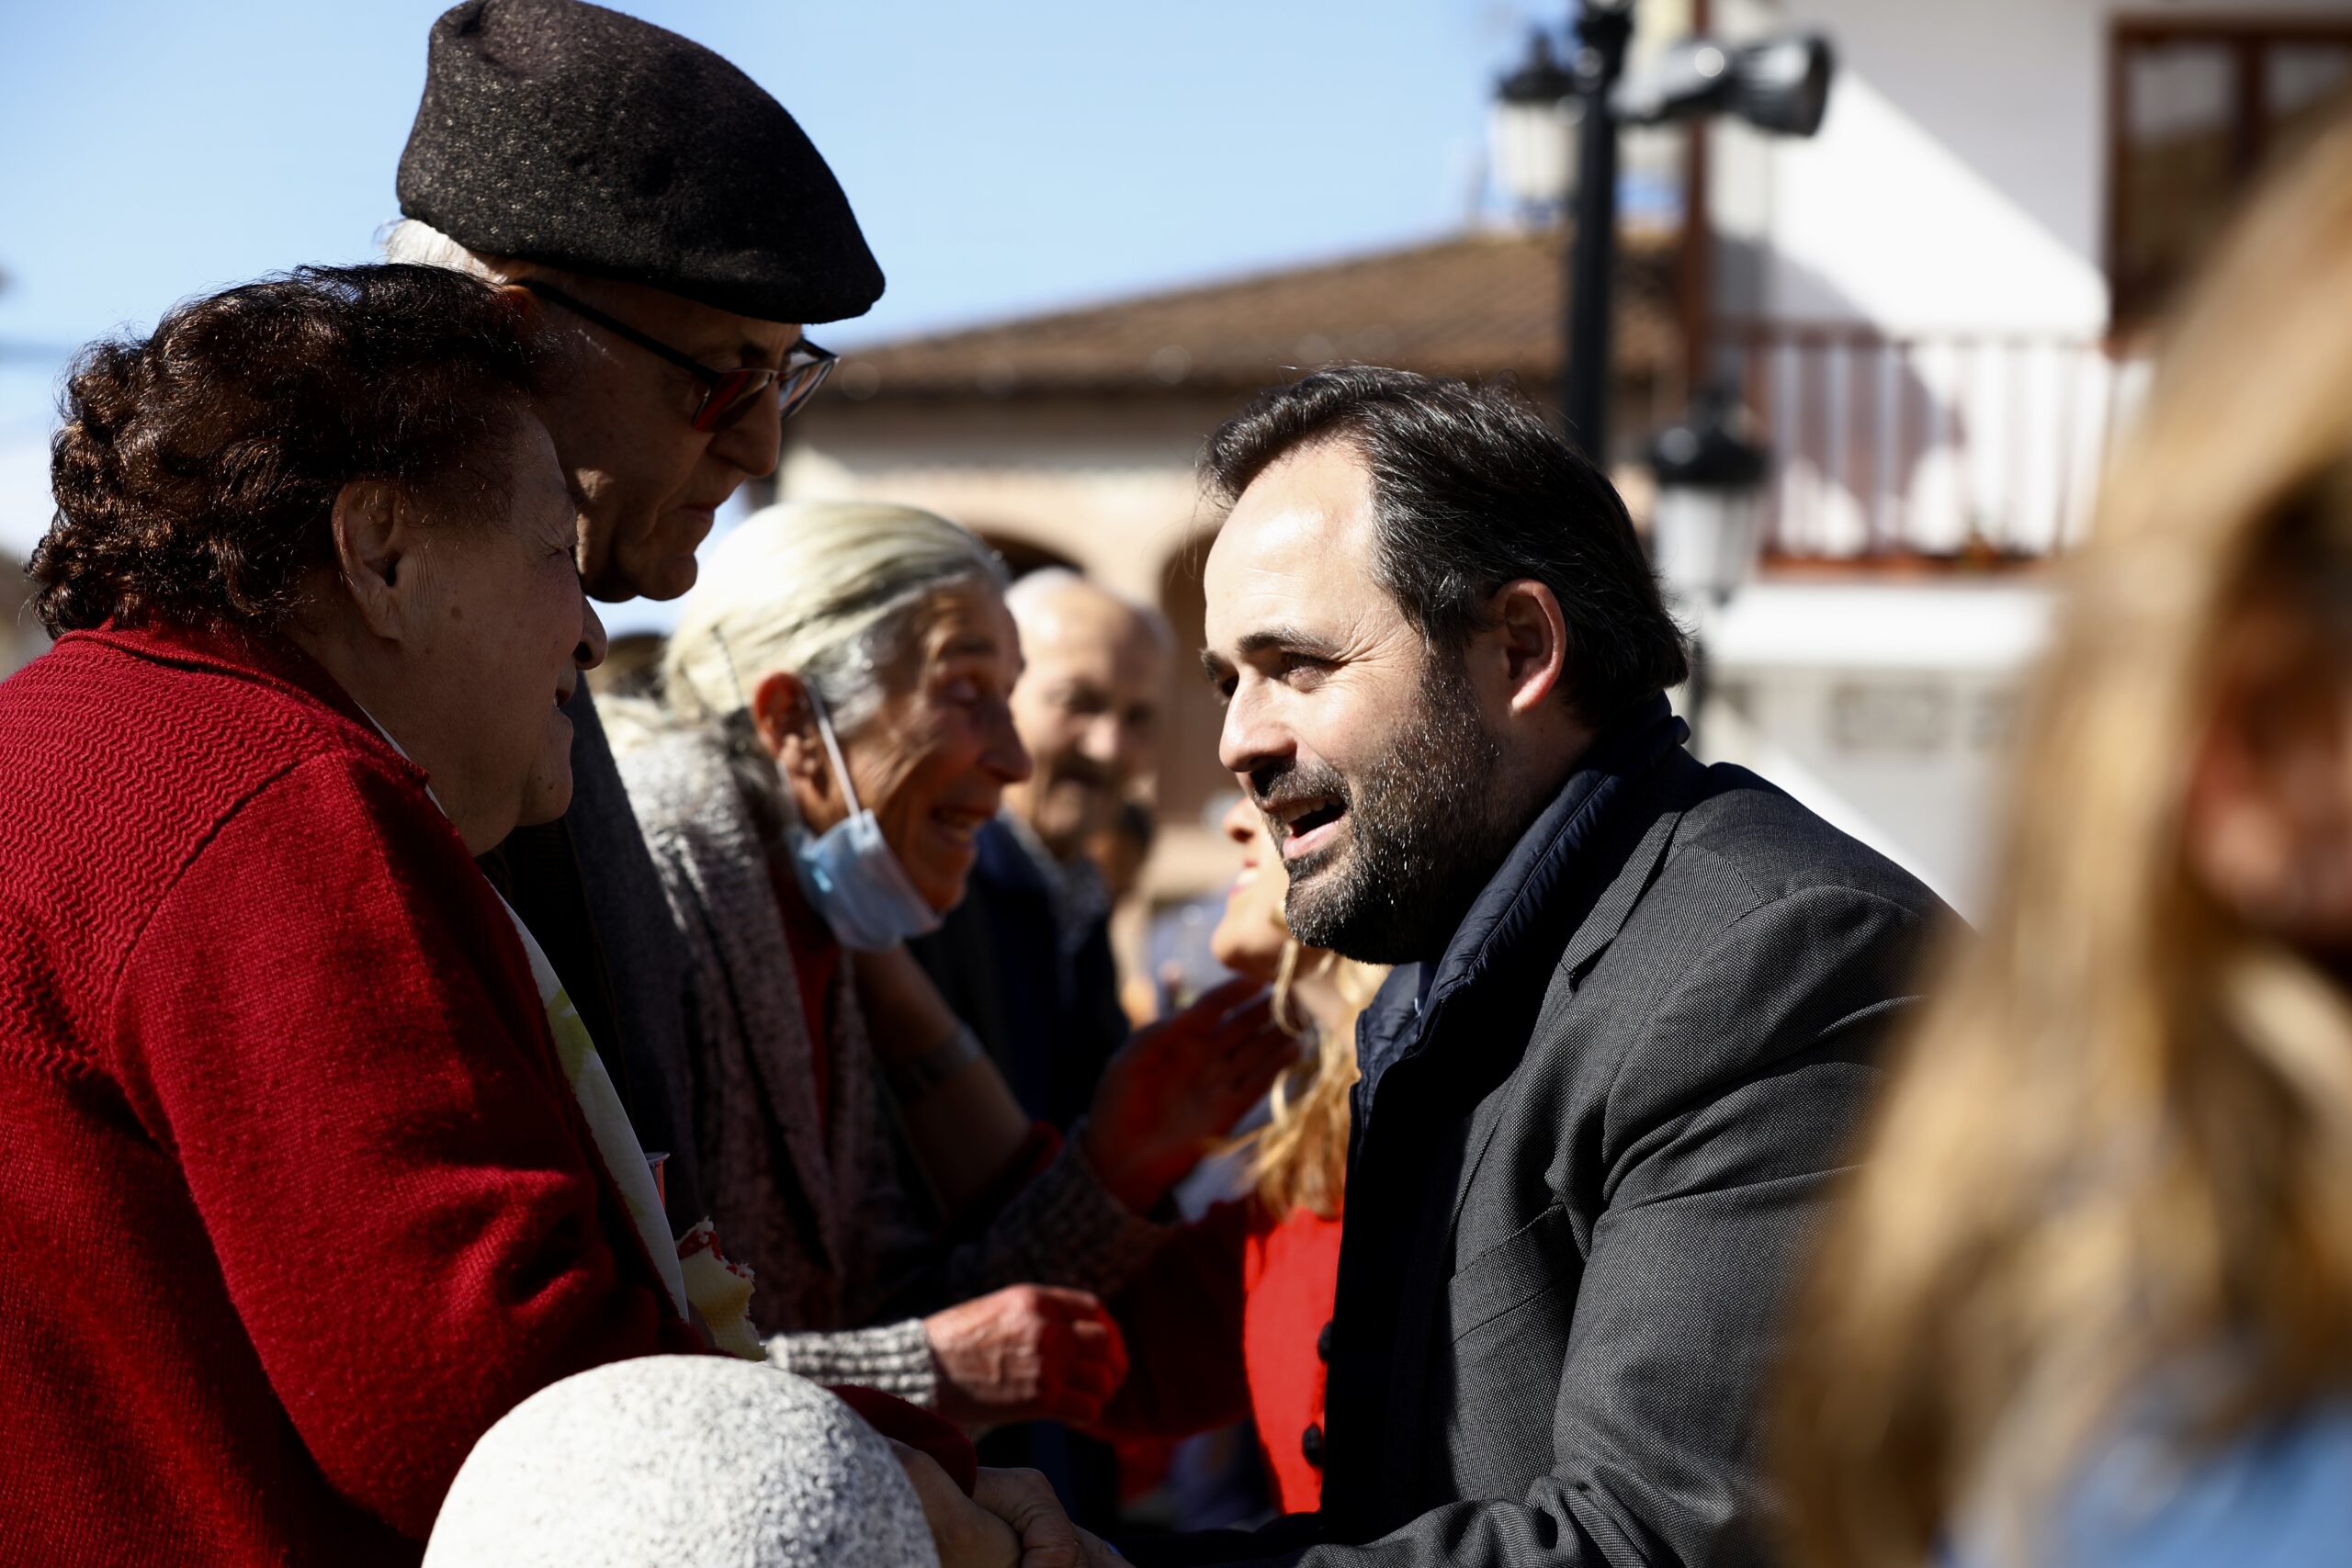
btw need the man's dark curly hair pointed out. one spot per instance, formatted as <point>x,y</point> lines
<point>197,470</point>
<point>1472,489</point>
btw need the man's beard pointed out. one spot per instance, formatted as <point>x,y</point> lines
<point>1425,832</point>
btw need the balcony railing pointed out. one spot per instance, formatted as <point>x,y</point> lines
<point>1975,446</point>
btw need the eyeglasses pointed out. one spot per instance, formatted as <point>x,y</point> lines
<point>728,395</point>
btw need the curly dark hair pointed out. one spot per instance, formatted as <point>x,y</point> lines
<point>197,470</point>
<point>1470,489</point>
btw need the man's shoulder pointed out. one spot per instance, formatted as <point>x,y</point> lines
<point>1743,843</point>
<point>1762,930</point>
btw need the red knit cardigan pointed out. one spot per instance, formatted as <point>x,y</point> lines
<point>296,1202</point>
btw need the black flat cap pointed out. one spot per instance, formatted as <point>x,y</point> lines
<point>569,134</point>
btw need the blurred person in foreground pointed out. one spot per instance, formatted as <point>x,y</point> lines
<point>680,1462</point>
<point>679,231</point>
<point>2091,1298</point>
<point>1026,958</point>
<point>1637,999</point>
<point>1232,1317</point>
<point>837,736</point>
<point>309,1178</point>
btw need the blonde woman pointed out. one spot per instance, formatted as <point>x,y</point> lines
<point>1229,1319</point>
<point>2092,1299</point>
<point>836,732</point>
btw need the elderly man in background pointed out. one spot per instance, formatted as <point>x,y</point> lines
<point>673,222</point>
<point>1636,1002</point>
<point>1026,960</point>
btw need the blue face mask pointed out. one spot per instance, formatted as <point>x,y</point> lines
<point>849,874</point>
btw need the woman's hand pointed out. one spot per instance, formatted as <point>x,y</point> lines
<point>1179,1087</point>
<point>1026,1353</point>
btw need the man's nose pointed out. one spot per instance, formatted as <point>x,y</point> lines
<point>593,644</point>
<point>1006,757</point>
<point>1099,741</point>
<point>1251,736</point>
<point>753,443</point>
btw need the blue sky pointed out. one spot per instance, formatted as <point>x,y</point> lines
<point>1001,158</point>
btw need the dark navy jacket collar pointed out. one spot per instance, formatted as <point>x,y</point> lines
<point>1544,856</point>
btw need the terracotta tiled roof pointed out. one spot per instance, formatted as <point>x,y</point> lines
<point>1471,305</point>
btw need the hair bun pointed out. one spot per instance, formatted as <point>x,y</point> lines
<point>197,468</point>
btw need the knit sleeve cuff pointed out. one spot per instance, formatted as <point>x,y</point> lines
<point>895,1358</point>
<point>1063,1229</point>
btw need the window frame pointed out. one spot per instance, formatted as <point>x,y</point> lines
<point>2247,38</point>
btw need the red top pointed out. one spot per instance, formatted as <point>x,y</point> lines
<point>297,1201</point>
<point>1228,1321</point>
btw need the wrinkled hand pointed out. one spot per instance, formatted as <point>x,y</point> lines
<point>967,1534</point>
<point>1023,1500</point>
<point>1026,1353</point>
<point>1180,1085</point>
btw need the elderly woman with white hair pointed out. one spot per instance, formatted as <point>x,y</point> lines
<point>834,731</point>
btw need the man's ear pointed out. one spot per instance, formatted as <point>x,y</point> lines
<point>371,546</point>
<point>1528,640</point>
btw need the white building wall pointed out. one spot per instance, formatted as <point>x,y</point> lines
<point>1887,710</point>
<point>1111,487</point>
<point>1960,180</point>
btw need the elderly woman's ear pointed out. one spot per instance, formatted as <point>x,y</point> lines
<point>372,539</point>
<point>787,730</point>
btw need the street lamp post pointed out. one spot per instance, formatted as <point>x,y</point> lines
<point>1603,28</point>
<point>1780,86</point>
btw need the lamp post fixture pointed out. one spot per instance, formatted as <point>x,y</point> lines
<point>1706,525</point>
<point>1780,86</point>
<point>1532,135</point>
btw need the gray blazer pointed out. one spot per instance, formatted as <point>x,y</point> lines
<point>1586,1159</point>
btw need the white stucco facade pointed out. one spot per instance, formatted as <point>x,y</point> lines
<point>1959,182</point>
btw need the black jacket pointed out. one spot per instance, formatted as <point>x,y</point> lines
<point>1050,1018</point>
<point>1582,1176</point>
<point>586,887</point>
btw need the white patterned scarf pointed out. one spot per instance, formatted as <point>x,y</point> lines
<point>699,1278</point>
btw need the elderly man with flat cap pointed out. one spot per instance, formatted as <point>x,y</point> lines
<point>676,224</point>
<point>661,202</point>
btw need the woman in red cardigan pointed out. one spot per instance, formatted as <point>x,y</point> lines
<point>309,1180</point>
<point>1230,1319</point>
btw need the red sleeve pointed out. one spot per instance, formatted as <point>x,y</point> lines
<point>1182,1318</point>
<point>333,1027</point>
<point>918,1428</point>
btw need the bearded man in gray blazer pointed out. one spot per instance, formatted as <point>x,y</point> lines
<point>1637,1003</point>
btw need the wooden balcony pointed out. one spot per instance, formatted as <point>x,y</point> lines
<point>1927,453</point>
